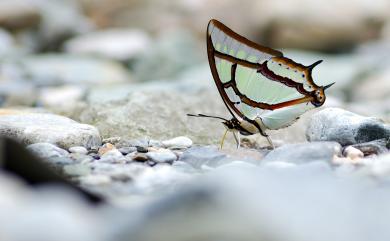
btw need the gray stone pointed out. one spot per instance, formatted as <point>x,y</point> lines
<point>168,109</point>
<point>304,153</point>
<point>81,158</point>
<point>78,149</point>
<point>47,150</point>
<point>32,128</point>
<point>58,69</point>
<point>178,142</point>
<point>118,44</point>
<point>198,156</point>
<point>344,127</point>
<point>161,155</point>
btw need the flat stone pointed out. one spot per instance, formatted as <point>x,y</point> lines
<point>78,149</point>
<point>127,150</point>
<point>178,142</point>
<point>140,157</point>
<point>32,128</point>
<point>344,127</point>
<point>47,150</point>
<point>304,153</point>
<point>161,155</point>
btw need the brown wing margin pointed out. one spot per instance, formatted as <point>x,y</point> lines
<point>242,39</point>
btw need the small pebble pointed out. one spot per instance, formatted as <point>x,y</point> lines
<point>178,142</point>
<point>142,149</point>
<point>78,157</point>
<point>78,149</point>
<point>105,148</point>
<point>127,150</point>
<point>140,157</point>
<point>162,155</point>
<point>112,156</point>
<point>353,153</point>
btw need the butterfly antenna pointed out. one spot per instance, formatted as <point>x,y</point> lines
<point>208,116</point>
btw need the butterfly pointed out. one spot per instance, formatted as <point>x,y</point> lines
<point>262,89</point>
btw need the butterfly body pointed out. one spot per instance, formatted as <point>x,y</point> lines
<point>262,89</point>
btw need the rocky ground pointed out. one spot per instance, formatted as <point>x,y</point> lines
<point>102,98</point>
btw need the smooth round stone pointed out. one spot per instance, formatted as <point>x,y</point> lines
<point>178,142</point>
<point>162,155</point>
<point>112,156</point>
<point>142,149</point>
<point>139,157</point>
<point>47,150</point>
<point>78,149</point>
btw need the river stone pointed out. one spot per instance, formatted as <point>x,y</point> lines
<point>32,128</point>
<point>78,149</point>
<point>161,155</point>
<point>304,153</point>
<point>198,156</point>
<point>344,127</point>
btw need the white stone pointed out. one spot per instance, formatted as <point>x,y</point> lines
<point>353,153</point>
<point>162,155</point>
<point>78,149</point>
<point>178,142</point>
<point>47,150</point>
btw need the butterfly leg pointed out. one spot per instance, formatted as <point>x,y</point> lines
<point>223,138</point>
<point>269,141</point>
<point>236,135</point>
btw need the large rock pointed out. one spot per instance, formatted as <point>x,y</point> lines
<point>344,127</point>
<point>304,153</point>
<point>118,44</point>
<point>32,128</point>
<point>159,114</point>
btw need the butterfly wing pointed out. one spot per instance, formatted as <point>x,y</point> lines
<point>256,81</point>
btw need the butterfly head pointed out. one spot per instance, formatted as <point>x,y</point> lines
<point>319,95</point>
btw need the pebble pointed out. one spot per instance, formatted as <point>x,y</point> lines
<point>139,157</point>
<point>127,150</point>
<point>112,156</point>
<point>112,140</point>
<point>304,153</point>
<point>162,155</point>
<point>78,149</point>
<point>353,153</point>
<point>178,143</point>
<point>105,148</point>
<point>47,150</point>
<point>142,149</point>
<point>32,128</point>
<point>344,127</point>
<point>373,147</point>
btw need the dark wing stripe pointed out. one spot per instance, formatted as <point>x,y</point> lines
<point>235,60</point>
